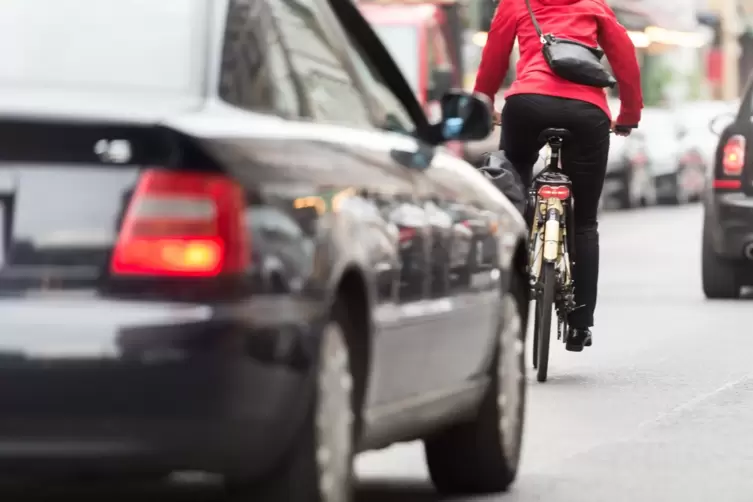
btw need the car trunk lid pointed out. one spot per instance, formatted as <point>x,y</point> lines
<point>64,186</point>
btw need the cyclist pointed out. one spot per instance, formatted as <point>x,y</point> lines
<point>538,99</point>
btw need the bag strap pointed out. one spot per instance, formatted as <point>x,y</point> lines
<point>536,25</point>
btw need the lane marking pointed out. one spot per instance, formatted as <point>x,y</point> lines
<point>639,431</point>
<point>689,405</point>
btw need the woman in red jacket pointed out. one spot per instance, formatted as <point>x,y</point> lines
<point>539,99</point>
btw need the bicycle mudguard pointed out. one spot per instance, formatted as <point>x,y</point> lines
<point>552,230</point>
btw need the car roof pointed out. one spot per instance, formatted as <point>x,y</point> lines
<point>102,72</point>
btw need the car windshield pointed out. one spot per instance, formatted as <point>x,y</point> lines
<point>140,46</point>
<point>402,43</point>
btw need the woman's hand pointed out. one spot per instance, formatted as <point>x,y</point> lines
<point>621,130</point>
<point>497,118</point>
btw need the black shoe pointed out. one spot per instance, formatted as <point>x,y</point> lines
<point>578,338</point>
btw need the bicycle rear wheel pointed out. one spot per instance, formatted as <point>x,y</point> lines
<point>543,323</point>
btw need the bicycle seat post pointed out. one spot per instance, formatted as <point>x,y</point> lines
<point>554,137</point>
<point>555,146</point>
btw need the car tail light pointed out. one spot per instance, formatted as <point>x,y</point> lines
<point>182,224</point>
<point>733,159</point>
<point>557,192</point>
<point>406,234</point>
<point>640,159</point>
<point>691,158</point>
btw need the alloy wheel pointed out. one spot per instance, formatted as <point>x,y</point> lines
<point>511,378</point>
<point>334,416</point>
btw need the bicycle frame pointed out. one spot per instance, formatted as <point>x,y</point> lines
<point>551,217</point>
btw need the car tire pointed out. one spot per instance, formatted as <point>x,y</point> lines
<point>719,275</point>
<point>481,456</point>
<point>319,467</point>
<point>625,196</point>
<point>680,195</point>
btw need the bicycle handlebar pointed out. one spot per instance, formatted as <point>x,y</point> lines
<point>623,128</point>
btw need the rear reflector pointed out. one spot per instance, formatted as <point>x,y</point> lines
<point>557,192</point>
<point>733,159</point>
<point>727,184</point>
<point>182,224</point>
<point>406,234</point>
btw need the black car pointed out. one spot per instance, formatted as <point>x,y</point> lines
<point>727,252</point>
<point>200,268</point>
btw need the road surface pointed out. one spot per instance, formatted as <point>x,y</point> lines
<point>660,409</point>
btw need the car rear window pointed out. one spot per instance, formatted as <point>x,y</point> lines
<point>152,46</point>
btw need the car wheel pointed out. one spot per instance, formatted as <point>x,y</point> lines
<point>625,195</point>
<point>719,275</point>
<point>650,196</point>
<point>482,456</point>
<point>680,194</point>
<point>319,467</point>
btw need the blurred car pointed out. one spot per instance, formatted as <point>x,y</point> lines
<point>697,142</point>
<point>628,182</point>
<point>727,245</point>
<point>196,274</point>
<point>678,179</point>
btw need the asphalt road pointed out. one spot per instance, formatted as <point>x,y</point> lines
<point>660,409</point>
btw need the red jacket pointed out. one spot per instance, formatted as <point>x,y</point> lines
<point>589,21</point>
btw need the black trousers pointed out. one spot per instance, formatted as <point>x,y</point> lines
<point>584,160</point>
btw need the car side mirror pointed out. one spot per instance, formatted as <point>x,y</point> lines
<point>441,79</point>
<point>718,124</point>
<point>465,116</point>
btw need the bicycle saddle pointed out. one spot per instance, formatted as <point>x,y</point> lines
<point>552,133</point>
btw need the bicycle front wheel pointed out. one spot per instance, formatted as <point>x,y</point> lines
<point>543,324</point>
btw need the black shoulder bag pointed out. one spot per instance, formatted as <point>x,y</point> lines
<point>573,60</point>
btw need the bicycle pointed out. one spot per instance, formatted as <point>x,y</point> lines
<point>551,249</point>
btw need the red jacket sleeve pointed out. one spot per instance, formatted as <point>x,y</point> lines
<point>620,52</point>
<point>495,58</point>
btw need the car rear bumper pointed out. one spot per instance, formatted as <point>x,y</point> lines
<point>666,185</point>
<point>616,181</point>
<point>729,217</point>
<point>143,389</point>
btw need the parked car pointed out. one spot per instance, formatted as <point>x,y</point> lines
<point>629,182</point>
<point>697,142</point>
<point>203,264</point>
<point>677,180</point>
<point>727,245</point>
